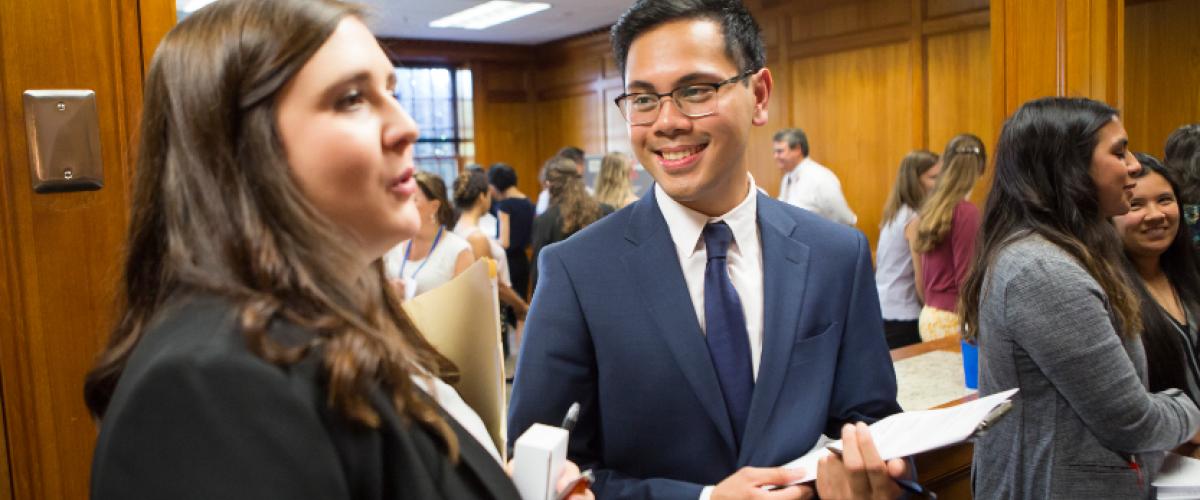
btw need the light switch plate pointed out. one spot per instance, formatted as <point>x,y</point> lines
<point>63,132</point>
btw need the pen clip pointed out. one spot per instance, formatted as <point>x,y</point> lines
<point>991,418</point>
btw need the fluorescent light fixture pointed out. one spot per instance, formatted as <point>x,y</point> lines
<point>489,14</point>
<point>191,6</point>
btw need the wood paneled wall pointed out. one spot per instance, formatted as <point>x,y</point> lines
<point>871,80</point>
<point>1162,77</point>
<point>61,253</point>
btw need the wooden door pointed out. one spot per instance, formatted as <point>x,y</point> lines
<point>60,253</point>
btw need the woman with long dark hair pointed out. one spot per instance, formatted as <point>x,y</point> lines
<point>1166,278</point>
<point>260,351</point>
<point>894,280</point>
<point>1054,316</point>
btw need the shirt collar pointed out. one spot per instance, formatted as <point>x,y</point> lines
<point>686,224</point>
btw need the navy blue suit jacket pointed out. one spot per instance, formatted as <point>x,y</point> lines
<point>612,326</point>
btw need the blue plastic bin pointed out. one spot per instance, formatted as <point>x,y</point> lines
<point>970,355</point>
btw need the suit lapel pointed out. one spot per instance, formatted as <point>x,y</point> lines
<point>655,268</point>
<point>785,272</point>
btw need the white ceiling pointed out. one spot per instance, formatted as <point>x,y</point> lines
<point>410,19</point>
<point>564,18</point>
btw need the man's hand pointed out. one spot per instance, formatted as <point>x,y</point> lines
<point>860,473</point>
<point>569,473</point>
<point>749,481</point>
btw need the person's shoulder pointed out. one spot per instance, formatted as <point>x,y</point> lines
<point>454,242</point>
<point>197,339</point>
<point>810,228</point>
<point>1032,261</point>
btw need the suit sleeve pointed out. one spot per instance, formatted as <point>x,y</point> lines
<point>557,367</point>
<point>195,428</point>
<point>1060,319</point>
<point>865,383</point>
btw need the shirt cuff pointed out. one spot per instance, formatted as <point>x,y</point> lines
<point>706,492</point>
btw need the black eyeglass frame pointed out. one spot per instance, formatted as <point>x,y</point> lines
<point>715,86</point>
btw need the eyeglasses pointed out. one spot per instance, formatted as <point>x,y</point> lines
<point>694,101</point>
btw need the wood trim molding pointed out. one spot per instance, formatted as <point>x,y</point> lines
<point>958,22</point>
<point>405,50</point>
<point>819,46</point>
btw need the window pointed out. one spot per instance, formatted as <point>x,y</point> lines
<point>440,100</point>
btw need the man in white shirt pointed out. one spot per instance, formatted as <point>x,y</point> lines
<point>709,333</point>
<point>806,183</point>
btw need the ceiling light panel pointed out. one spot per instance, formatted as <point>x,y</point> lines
<point>489,14</point>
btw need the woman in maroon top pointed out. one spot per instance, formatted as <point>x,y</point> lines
<point>942,237</point>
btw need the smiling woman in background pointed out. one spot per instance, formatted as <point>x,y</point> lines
<point>1165,277</point>
<point>260,351</point>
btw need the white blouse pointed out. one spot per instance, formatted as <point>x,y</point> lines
<point>894,270</point>
<point>432,271</point>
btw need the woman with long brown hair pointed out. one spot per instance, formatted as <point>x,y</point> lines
<point>942,237</point>
<point>894,278</point>
<point>571,209</point>
<point>1054,316</point>
<point>260,351</point>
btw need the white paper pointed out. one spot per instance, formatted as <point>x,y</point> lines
<point>1178,478</point>
<point>909,433</point>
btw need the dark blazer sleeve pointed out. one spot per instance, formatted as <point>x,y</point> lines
<point>557,367</point>
<point>864,387</point>
<point>204,427</point>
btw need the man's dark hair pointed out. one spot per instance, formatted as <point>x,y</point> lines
<point>793,137</point>
<point>571,153</point>
<point>743,38</point>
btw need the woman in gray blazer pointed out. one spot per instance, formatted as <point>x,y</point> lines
<point>1054,316</point>
<point>260,351</point>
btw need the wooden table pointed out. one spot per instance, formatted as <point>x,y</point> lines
<point>947,471</point>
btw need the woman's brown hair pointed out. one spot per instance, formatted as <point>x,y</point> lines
<point>962,163</point>
<point>576,207</point>
<point>908,192</point>
<point>434,188</point>
<point>216,210</point>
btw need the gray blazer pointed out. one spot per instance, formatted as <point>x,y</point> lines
<point>1083,410</point>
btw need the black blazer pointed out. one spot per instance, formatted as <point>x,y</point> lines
<point>196,415</point>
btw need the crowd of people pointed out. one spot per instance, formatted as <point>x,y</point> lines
<point>707,333</point>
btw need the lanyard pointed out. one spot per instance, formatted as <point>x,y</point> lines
<point>408,249</point>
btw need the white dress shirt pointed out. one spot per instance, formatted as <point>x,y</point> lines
<point>815,188</point>
<point>744,259</point>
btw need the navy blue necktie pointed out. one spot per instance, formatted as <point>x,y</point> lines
<point>725,325</point>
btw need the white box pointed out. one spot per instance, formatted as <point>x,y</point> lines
<point>538,459</point>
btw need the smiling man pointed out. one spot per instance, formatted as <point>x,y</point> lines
<point>709,332</point>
